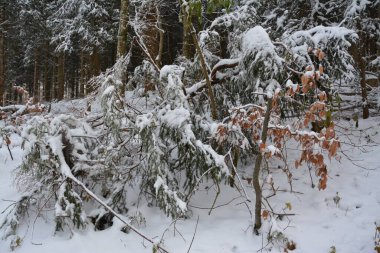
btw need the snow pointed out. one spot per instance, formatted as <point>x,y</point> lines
<point>171,70</point>
<point>375,62</point>
<point>257,39</point>
<point>227,62</point>
<point>273,150</point>
<point>180,204</point>
<point>219,159</point>
<point>174,118</point>
<point>109,90</point>
<point>195,87</point>
<point>320,37</point>
<point>318,225</point>
<point>76,107</point>
<point>258,49</point>
<point>356,7</point>
<point>290,84</point>
<point>159,182</point>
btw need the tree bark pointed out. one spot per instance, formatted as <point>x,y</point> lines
<point>204,14</point>
<point>256,171</point>
<point>186,19</point>
<point>47,72</point>
<point>235,161</point>
<point>214,112</point>
<point>61,76</point>
<point>187,44</point>
<point>36,85</point>
<point>94,68</point>
<point>358,52</point>
<point>83,74</point>
<point>123,29</point>
<point>2,60</point>
<point>161,37</point>
<point>148,33</point>
<point>363,86</point>
<point>54,85</point>
<point>95,62</point>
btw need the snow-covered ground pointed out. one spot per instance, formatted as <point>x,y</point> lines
<point>316,224</point>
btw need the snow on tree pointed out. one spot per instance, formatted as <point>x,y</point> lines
<point>83,22</point>
<point>241,91</point>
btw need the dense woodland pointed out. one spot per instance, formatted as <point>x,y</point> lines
<point>179,92</point>
<point>53,48</point>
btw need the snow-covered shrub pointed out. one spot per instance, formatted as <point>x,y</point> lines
<point>48,163</point>
<point>210,44</point>
<point>174,151</point>
<point>13,218</point>
<point>333,41</point>
<point>232,25</point>
<point>259,55</point>
<point>144,78</point>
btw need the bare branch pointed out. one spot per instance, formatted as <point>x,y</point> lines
<point>195,231</point>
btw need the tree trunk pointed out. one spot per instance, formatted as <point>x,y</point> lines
<point>358,52</point>
<point>256,171</point>
<point>47,72</point>
<point>123,29</point>
<point>82,75</point>
<point>36,85</point>
<point>204,14</point>
<point>363,86</point>
<point>94,68</point>
<point>54,85</point>
<point>161,38</point>
<point>235,161</point>
<point>149,34</point>
<point>186,19</point>
<point>210,92</point>
<point>187,47</point>
<point>95,62</point>
<point>61,76</point>
<point>2,60</point>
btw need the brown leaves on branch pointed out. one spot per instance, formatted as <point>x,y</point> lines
<point>313,73</point>
<point>248,119</point>
<point>321,172</point>
<point>7,140</point>
<point>265,214</point>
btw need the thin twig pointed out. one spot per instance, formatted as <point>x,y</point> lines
<point>215,207</point>
<point>40,209</point>
<point>195,231</point>
<point>357,165</point>
<point>167,229</point>
<point>216,197</point>
<point>196,185</point>
<point>311,177</point>
<point>237,175</point>
<point>118,216</point>
<point>10,152</point>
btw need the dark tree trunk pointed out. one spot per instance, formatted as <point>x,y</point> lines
<point>47,73</point>
<point>61,76</point>
<point>123,29</point>
<point>257,168</point>
<point>358,52</point>
<point>2,60</point>
<point>36,79</point>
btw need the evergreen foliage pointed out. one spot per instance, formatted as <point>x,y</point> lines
<point>151,129</point>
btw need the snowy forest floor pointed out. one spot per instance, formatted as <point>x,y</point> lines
<point>316,225</point>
